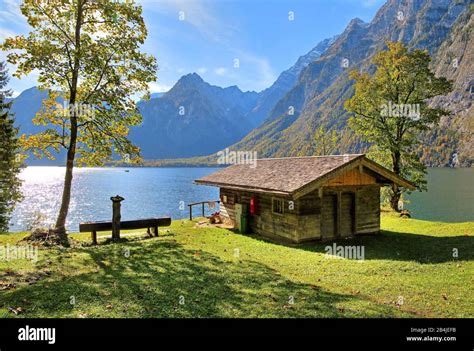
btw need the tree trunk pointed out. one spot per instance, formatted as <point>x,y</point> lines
<point>395,197</point>
<point>396,192</point>
<point>60,229</point>
<point>66,198</point>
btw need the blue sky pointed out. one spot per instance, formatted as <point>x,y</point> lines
<point>210,36</point>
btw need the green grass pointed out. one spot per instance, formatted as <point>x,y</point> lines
<point>409,271</point>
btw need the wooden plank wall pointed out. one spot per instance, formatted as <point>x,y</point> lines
<point>264,222</point>
<point>328,214</point>
<point>366,207</point>
<point>311,217</point>
<point>368,210</point>
<point>309,209</point>
<point>352,177</point>
<point>347,222</point>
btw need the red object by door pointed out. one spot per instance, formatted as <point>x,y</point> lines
<point>253,205</point>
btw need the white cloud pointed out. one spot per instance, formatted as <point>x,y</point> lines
<point>262,72</point>
<point>6,33</point>
<point>204,17</point>
<point>10,9</point>
<point>159,88</point>
<point>200,14</point>
<point>220,71</point>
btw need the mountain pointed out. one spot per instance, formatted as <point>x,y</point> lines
<point>455,133</point>
<point>193,118</point>
<point>318,96</point>
<point>213,117</point>
<point>217,117</point>
<point>286,81</point>
<point>24,107</point>
<point>156,95</point>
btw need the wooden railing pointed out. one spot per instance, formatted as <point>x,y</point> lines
<point>202,203</point>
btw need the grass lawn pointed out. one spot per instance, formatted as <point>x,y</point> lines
<point>409,271</point>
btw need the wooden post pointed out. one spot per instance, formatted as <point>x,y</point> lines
<point>156,230</point>
<point>190,212</point>
<point>356,207</point>
<point>116,216</point>
<point>94,238</point>
<point>339,212</point>
<point>203,209</point>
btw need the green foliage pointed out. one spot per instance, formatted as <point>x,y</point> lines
<point>87,52</point>
<point>10,159</point>
<point>390,110</point>
<point>326,142</point>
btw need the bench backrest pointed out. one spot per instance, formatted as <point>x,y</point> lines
<point>135,224</point>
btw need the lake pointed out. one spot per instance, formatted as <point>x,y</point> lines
<point>152,192</point>
<point>148,192</point>
<point>450,196</point>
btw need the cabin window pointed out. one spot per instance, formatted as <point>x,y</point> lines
<point>228,199</point>
<point>278,205</point>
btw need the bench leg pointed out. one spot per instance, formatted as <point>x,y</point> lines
<point>94,238</point>
<point>156,231</point>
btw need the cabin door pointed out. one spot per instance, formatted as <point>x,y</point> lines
<point>347,207</point>
<point>329,216</point>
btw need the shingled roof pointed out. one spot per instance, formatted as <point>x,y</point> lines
<point>288,175</point>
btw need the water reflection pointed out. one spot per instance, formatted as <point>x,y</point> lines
<point>148,192</point>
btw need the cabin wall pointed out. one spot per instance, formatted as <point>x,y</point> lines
<point>352,177</point>
<point>345,210</point>
<point>350,210</point>
<point>368,210</point>
<point>309,217</point>
<point>299,222</point>
<point>264,222</point>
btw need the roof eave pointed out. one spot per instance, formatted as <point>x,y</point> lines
<point>361,160</point>
<point>315,184</point>
<point>388,174</point>
<point>243,188</point>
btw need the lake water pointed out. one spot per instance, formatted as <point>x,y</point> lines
<point>152,192</point>
<point>450,196</point>
<point>148,192</point>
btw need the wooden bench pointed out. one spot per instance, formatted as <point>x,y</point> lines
<point>94,227</point>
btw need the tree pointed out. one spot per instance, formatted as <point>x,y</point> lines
<point>10,159</point>
<point>391,109</point>
<point>88,53</point>
<point>325,142</point>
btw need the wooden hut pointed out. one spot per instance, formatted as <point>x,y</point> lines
<point>305,198</point>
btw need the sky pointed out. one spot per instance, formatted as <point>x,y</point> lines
<point>247,43</point>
